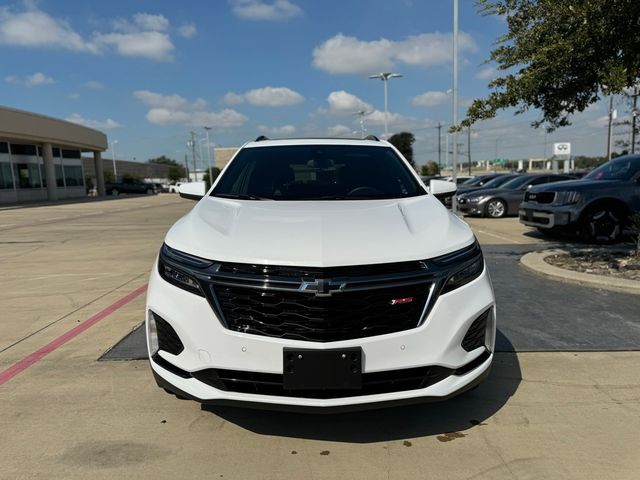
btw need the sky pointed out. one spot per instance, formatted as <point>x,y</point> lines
<point>147,73</point>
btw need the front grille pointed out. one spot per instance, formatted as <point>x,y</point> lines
<point>372,383</point>
<point>475,336</point>
<point>540,197</point>
<point>168,339</point>
<point>303,316</point>
<point>322,304</point>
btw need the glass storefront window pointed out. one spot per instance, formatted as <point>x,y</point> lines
<point>59,176</point>
<point>6,179</point>
<point>28,175</point>
<point>73,176</point>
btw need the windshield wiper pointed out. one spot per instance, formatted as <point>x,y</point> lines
<point>240,196</point>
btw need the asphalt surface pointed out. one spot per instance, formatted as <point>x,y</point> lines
<point>535,313</point>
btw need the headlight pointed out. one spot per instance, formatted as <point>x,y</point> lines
<point>173,266</point>
<point>475,199</point>
<point>566,198</point>
<point>462,266</point>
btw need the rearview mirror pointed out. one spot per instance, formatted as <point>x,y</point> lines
<point>442,189</point>
<point>193,190</point>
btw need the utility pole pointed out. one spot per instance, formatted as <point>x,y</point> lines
<point>609,136</point>
<point>469,147</point>
<point>439,127</point>
<point>209,155</point>
<point>192,143</point>
<point>634,114</point>
<point>186,166</point>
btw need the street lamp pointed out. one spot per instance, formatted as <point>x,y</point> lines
<point>209,154</point>
<point>385,76</point>
<point>113,153</point>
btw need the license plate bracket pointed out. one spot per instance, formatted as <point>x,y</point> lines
<point>312,369</point>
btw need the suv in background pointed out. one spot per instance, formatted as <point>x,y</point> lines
<point>319,273</point>
<point>597,206</point>
<point>130,185</point>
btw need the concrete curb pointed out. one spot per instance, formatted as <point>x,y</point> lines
<point>535,261</point>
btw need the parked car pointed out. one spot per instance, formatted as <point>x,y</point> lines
<point>175,188</point>
<point>161,187</point>
<point>130,185</point>
<point>495,182</point>
<point>505,200</point>
<point>597,206</point>
<point>460,179</point>
<point>310,276</point>
<point>477,181</point>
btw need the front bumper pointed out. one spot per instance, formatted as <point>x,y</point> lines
<point>208,345</point>
<point>470,208</point>
<point>533,215</point>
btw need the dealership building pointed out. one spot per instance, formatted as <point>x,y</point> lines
<point>41,158</point>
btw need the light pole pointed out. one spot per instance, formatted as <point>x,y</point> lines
<point>113,153</point>
<point>209,154</point>
<point>385,76</point>
<point>454,203</point>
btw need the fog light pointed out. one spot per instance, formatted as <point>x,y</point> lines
<point>152,334</point>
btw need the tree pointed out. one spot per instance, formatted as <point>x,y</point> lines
<point>163,160</point>
<point>215,171</point>
<point>175,173</point>
<point>431,168</point>
<point>560,57</point>
<point>403,141</point>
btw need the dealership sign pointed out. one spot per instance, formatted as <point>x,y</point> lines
<point>563,148</point>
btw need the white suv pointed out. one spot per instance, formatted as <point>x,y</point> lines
<point>319,273</point>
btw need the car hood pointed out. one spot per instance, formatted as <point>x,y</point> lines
<point>319,233</point>
<point>580,184</point>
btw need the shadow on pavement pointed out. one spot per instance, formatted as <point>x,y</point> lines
<point>445,419</point>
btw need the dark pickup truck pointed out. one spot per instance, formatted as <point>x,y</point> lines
<point>597,206</point>
<point>130,185</point>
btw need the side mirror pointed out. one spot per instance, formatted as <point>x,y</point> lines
<point>193,190</point>
<point>442,189</point>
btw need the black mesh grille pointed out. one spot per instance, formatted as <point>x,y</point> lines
<point>168,339</point>
<point>303,316</point>
<point>372,383</point>
<point>475,336</point>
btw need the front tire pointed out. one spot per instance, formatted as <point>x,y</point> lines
<point>602,224</point>
<point>495,208</point>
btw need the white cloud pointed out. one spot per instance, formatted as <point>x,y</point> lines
<point>188,30</point>
<point>487,73</point>
<point>144,35</point>
<point>93,85</point>
<point>148,21</point>
<point>265,97</point>
<point>339,130</point>
<point>343,54</point>
<point>35,28</point>
<point>152,45</point>
<point>33,80</point>
<point>261,10</point>
<point>344,103</point>
<point>177,110</point>
<point>430,99</point>
<point>97,124</point>
<point>232,98</point>
<point>285,130</point>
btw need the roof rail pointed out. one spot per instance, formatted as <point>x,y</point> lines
<point>372,137</point>
<point>261,138</point>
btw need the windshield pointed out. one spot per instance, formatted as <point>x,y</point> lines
<point>317,172</point>
<point>498,181</point>
<point>619,169</point>
<point>517,182</point>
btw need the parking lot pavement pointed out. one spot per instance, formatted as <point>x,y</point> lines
<point>65,415</point>
<point>500,231</point>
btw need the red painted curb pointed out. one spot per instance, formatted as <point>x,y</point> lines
<point>39,354</point>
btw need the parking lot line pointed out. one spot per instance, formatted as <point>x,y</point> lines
<point>39,354</point>
<point>511,240</point>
